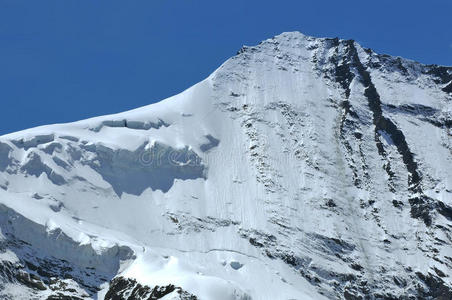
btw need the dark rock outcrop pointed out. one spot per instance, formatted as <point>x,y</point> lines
<point>129,289</point>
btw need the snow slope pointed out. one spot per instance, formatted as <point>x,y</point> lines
<point>302,168</point>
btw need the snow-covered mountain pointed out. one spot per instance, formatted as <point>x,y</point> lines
<point>302,168</point>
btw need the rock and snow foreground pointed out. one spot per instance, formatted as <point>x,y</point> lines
<point>302,168</point>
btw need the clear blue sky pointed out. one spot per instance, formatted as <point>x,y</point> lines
<point>65,60</point>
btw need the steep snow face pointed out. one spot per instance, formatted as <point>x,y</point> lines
<point>302,168</point>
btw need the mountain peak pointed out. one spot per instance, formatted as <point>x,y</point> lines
<point>319,165</point>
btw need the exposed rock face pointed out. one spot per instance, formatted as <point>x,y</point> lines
<point>128,289</point>
<point>302,168</point>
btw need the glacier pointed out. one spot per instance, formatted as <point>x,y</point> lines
<point>302,168</point>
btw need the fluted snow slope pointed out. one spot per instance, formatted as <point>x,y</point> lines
<point>302,168</point>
